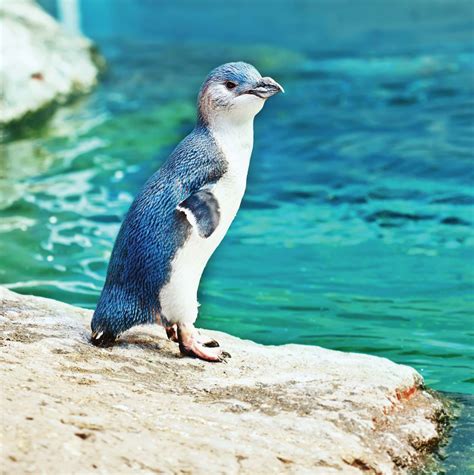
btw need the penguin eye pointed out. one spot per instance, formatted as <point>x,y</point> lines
<point>230,85</point>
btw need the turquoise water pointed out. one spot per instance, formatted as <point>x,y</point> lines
<point>356,230</point>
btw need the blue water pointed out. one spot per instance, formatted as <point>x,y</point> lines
<point>356,230</point>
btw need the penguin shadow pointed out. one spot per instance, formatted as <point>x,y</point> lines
<point>153,343</point>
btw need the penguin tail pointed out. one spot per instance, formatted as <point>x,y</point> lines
<point>103,339</point>
<point>103,333</point>
<point>116,312</point>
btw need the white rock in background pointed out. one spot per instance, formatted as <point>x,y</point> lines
<point>140,408</point>
<point>40,64</point>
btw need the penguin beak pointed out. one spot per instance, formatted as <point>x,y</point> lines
<point>265,88</point>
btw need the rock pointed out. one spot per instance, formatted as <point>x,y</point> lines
<point>41,65</point>
<point>141,408</point>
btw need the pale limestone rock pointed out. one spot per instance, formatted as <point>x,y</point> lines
<point>68,407</point>
<point>40,64</point>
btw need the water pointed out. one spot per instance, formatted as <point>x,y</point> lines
<point>356,230</point>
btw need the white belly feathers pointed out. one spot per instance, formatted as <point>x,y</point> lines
<point>178,297</point>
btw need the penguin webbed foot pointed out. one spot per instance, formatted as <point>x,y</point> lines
<point>172,334</point>
<point>191,344</point>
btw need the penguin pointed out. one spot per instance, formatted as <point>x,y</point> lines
<point>182,214</point>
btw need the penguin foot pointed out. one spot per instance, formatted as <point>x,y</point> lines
<point>190,345</point>
<point>172,333</point>
<point>196,350</point>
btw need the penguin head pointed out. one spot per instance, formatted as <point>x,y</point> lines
<point>234,92</point>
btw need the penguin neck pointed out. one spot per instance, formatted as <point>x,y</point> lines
<point>235,139</point>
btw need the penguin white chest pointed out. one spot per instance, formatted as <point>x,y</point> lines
<point>178,297</point>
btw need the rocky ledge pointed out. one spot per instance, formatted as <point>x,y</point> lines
<point>142,408</point>
<point>41,65</point>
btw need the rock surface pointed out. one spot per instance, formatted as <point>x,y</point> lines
<point>40,64</point>
<point>68,407</point>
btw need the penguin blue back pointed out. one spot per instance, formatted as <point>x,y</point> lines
<point>152,231</point>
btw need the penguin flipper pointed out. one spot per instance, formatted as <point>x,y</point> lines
<point>202,211</point>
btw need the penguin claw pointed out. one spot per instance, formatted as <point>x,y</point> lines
<point>211,343</point>
<point>172,333</point>
<point>204,353</point>
<point>190,344</point>
<point>223,356</point>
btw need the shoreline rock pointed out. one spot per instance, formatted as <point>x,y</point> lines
<point>141,407</point>
<point>42,66</point>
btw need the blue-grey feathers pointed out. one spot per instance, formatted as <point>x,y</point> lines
<point>202,210</point>
<point>242,75</point>
<point>239,72</point>
<point>151,234</point>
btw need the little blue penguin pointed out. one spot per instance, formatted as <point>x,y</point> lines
<point>182,214</point>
